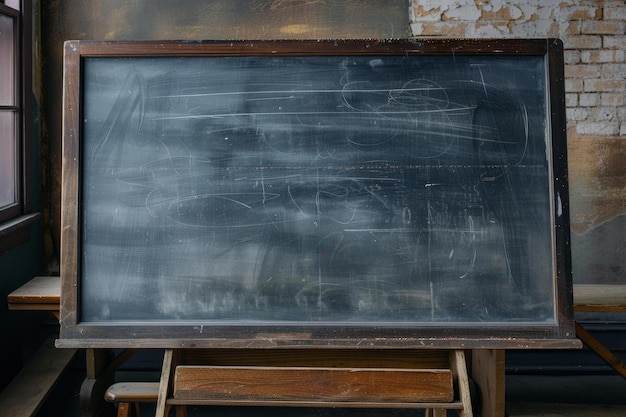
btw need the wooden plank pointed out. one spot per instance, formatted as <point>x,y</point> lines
<point>164,386</point>
<point>29,389</point>
<point>305,383</point>
<point>487,368</point>
<point>455,405</point>
<point>40,293</point>
<point>602,351</point>
<point>133,392</point>
<point>459,370</point>
<point>336,358</point>
<point>599,298</point>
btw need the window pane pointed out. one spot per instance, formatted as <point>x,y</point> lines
<point>15,4</point>
<point>7,159</point>
<point>7,61</point>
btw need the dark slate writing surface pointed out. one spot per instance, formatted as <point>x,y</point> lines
<point>324,188</point>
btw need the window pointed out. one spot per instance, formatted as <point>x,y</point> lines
<point>15,146</point>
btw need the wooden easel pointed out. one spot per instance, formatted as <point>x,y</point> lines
<point>435,380</point>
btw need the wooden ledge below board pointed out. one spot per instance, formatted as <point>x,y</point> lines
<point>599,298</point>
<point>42,293</point>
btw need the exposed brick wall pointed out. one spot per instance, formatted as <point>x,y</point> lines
<point>593,33</point>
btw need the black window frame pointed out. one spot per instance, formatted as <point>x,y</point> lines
<point>16,219</point>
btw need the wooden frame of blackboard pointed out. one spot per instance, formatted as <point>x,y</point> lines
<point>556,331</point>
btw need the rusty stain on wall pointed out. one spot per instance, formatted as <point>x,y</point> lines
<point>597,180</point>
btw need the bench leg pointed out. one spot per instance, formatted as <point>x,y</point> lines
<point>601,350</point>
<point>181,410</point>
<point>123,410</point>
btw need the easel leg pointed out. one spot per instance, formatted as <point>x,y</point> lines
<point>601,350</point>
<point>97,380</point>
<point>487,371</point>
<point>459,368</point>
<point>164,386</point>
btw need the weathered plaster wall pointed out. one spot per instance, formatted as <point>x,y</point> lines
<point>594,37</point>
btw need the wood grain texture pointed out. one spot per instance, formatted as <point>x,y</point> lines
<point>488,373</point>
<point>40,290</point>
<point>343,358</point>
<point>133,392</point>
<point>300,383</point>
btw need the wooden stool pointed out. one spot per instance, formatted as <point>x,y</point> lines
<point>128,395</point>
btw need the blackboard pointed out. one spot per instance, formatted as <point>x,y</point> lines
<point>414,187</point>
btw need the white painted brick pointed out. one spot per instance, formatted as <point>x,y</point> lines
<point>577,114</point>
<point>589,99</point>
<point>603,114</point>
<point>580,11</point>
<point>463,11</point>
<point>482,30</point>
<point>421,14</point>
<point>571,100</point>
<point>537,29</point>
<point>602,84</point>
<point>612,99</point>
<point>583,71</point>
<point>582,42</point>
<point>433,4</point>
<point>614,42</point>
<point>417,29</point>
<point>615,11</point>
<point>603,27</point>
<point>574,85</point>
<point>598,128</point>
<point>571,57</point>
<point>602,56</point>
<point>614,71</point>
<point>621,116</point>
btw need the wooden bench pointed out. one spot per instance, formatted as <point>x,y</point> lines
<point>26,393</point>
<point>128,396</point>
<point>597,298</point>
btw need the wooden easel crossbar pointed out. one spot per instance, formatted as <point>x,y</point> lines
<point>435,380</point>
